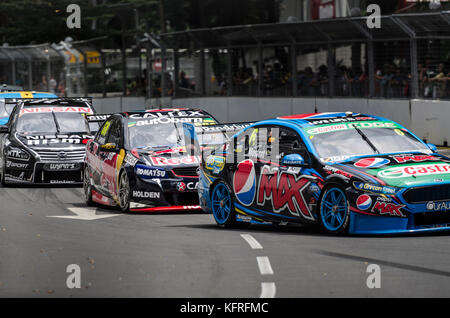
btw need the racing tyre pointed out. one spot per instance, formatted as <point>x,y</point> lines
<point>2,176</point>
<point>334,210</point>
<point>87,187</point>
<point>223,206</point>
<point>124,192</point>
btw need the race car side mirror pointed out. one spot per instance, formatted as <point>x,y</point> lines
<point>109,147</point>
<point>293,160</point>
<point>4,129</point>
<point>432,147</point>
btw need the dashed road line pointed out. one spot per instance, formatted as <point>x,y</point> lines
<point>268,289</point>
<point>264,265</point>
<point>254,244</point>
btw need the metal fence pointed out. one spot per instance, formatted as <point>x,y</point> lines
<point>408,57</point>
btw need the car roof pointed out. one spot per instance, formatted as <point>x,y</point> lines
<point>27,94</point>
<point>312,119</point>
<point>175,112</point>
<point>57,102</point>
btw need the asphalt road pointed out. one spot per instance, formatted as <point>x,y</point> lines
<point>186,255</point>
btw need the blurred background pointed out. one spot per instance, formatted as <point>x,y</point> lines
<point>193,48</point>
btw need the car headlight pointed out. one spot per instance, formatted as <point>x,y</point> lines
<point>374,188</point>
<point>16,153</point>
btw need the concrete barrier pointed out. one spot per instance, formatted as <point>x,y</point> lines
<point>427,119</point>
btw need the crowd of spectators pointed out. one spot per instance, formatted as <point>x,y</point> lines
<point>391,81</point>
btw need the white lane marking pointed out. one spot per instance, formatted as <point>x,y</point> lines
<point>254,244</point>
<point>268,290</point>
<point>264,265</point>
<point>88,214</point>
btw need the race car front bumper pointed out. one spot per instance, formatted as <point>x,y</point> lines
<point>53,173</point>
<point>164,195</point>
<point>376,224</point>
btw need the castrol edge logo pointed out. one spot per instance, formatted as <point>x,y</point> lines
<point>418,170</point>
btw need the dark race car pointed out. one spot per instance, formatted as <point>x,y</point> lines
<point>348,172</point>
<point>9,99</point>
<point>44,142</point>
<point>138,161</point>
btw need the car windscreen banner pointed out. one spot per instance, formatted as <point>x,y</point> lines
<point>202,140</point>
<point>97,118</point>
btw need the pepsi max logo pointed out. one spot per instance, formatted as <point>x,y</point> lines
<point>371,162</point>
<point>363,202</point>
<point>244,182</point>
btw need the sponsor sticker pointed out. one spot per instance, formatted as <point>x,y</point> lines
<point>413,158</point>
<point>16,165</point>
<point>56,109</point>
<point>61,166</point>
<point>183,186</point>
<point>149,172</point>
<point>371,162</point>
<point>374,188</point>
<point>131,160</point>
<point>176,161</point>
<point>386,208</point>
<point>417,170</point>
<point>363,202</point>
<point>346,126</point>
<point>146,195</point>
<point>244,182</point>
<point>18,154</point>
<point>285,191</point>
<point>438,206</point>
<point>215,163</point>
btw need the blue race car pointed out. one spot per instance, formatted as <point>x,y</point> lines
<point>8,100</point>
<point>349,172</point>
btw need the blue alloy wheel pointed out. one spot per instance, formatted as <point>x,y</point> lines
<point>221,203</point>
<point>222,206</point>
<point>334,210</point>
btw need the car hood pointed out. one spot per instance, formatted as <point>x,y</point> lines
<point>37,141</point>
<point>169,158</point>
<point>401,170</point>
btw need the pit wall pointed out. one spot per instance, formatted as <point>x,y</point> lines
<point>429,120</point>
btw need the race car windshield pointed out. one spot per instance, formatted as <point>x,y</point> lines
<point>52,122</point>
<point>157,136</point>
<point>339,145</point>
<point>6,108</point>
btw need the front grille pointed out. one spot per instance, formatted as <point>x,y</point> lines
<point>56,177</point>
<point>431,218</point>
<point>425,194</point>
<point>188,198</point>
<point>61,155</point>
<point>185,171</point>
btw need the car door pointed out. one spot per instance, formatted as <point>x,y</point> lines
<point>94,156</point>
<point>109,155</point>
<point>284,190</point>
